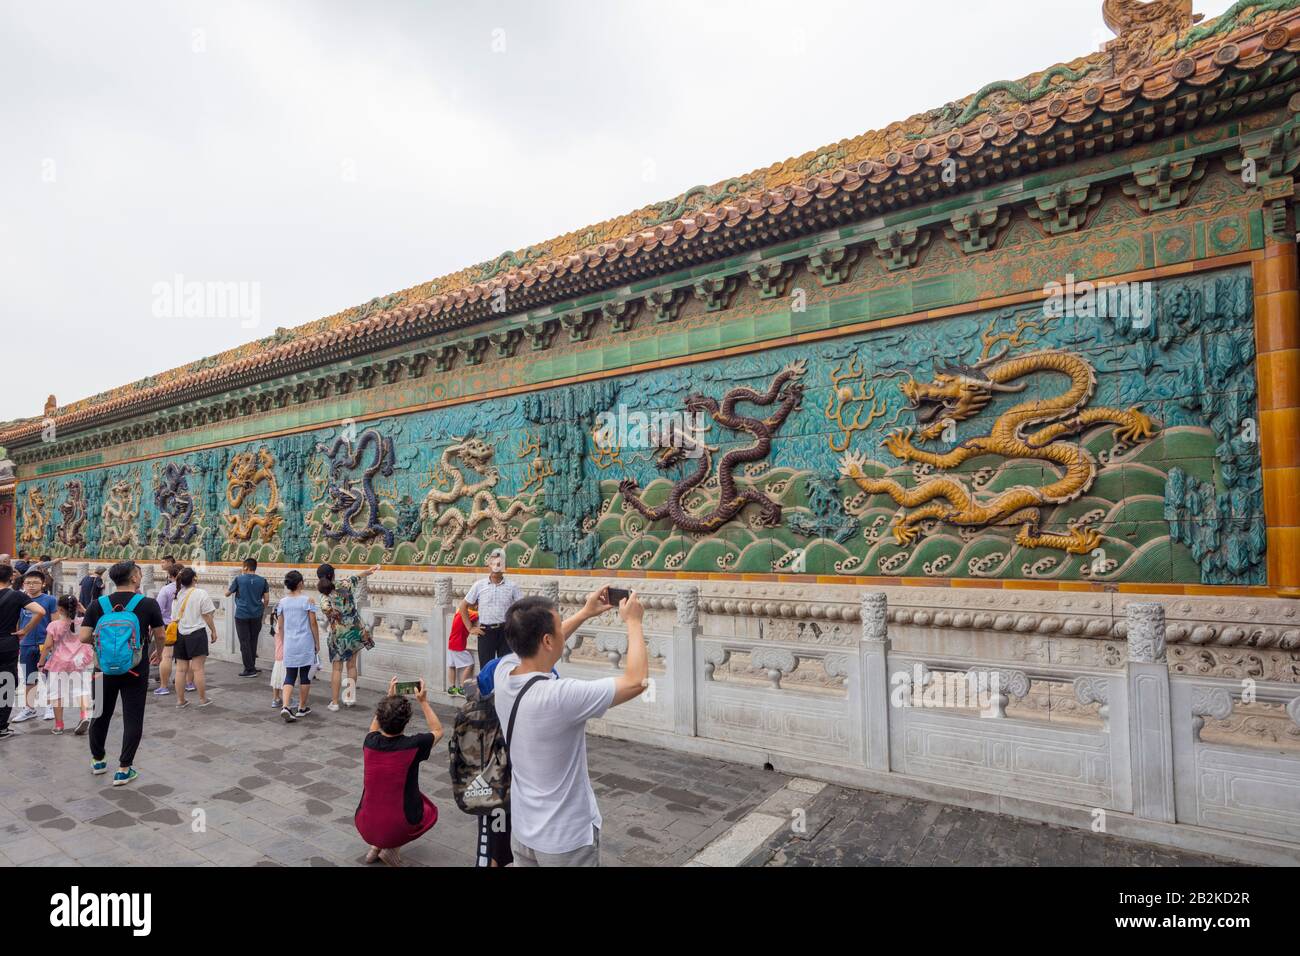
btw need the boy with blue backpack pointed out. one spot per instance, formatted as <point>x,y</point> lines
<point>120,625</point>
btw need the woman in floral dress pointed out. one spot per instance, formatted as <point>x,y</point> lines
<point>348,633</point>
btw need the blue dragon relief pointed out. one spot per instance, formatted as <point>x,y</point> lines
<point>349,494</point>
<point>175,504</point>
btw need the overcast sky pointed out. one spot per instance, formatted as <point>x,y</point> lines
<point>324,153</point>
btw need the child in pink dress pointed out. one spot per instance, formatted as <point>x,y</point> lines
<point>68,663</point>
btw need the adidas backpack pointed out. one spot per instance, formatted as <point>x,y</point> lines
<point>118,646</point>
<point>480,756</point>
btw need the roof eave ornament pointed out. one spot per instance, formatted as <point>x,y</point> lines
<point>1161,16</point>
<point>1139,24</point>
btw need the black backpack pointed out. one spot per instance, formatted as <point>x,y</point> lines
<point>480,755</point>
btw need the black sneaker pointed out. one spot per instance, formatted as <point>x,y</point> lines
<point>7,733</point>
<point>302,712</point>
<point>287,714</point>
<point>249,673</point>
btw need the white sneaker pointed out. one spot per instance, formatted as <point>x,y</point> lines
<point>49,714</point>
<point>25,714</point>
<point>333,708</point>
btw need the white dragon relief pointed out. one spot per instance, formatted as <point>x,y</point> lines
<point>440,503</point>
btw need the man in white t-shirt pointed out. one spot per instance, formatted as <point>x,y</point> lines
<point>553,814</point>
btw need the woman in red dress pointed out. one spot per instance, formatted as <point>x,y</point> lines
<point>393,811</point>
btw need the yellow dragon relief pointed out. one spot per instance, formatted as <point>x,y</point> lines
<point>959,392</point>
<point>248,470</point>
<point>34,518</point>
<point>119,513</point>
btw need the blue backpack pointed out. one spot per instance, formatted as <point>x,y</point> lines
<point>117,637</point>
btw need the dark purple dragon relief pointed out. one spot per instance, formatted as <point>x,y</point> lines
<point>676,445</point>
<point>175,503</point>
<point>72,529</point>
<point>347,499</point>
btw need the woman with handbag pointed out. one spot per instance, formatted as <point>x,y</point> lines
<point>348,633</point>
<point>195,629</point>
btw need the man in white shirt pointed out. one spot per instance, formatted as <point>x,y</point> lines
<point>554,817</point>
<point>493,596</point>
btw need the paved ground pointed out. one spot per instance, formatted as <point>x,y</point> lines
<point>270,793</point>
<point>842,827</point>
<point>232,785</point>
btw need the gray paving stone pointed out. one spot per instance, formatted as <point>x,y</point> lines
<point>30,849</point>
<point>274,794</point>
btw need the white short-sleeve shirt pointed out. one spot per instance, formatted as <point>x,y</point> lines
<point>552,805</point>
<point>196,603</point>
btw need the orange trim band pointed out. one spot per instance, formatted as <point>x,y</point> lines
<point>1277,341</point>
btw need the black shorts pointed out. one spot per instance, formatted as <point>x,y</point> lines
<point>297,675</point>
<point>191,646</point>
<point>494,840</point>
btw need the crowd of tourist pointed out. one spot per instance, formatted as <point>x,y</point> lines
<point>87,650</point>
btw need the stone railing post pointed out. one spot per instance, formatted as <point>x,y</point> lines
<point>438,629</point>
<point>216,587</point>
<point>55,571</point>
<point>1149,716</point>
<point>686,634</point>
<point>551,590</point>
<point>146,581</point>
<point>875,681</point>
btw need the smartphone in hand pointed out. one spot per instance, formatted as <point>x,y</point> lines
<point>617,595</point>
<point>405,688</point>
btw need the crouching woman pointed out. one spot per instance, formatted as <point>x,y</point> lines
<point>393,812</point>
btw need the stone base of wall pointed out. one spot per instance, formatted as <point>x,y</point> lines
<point>1174,720</point>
